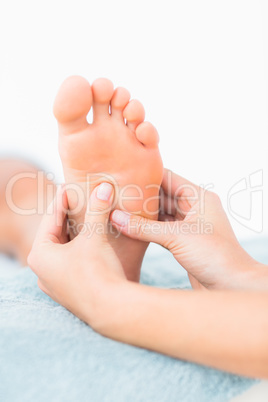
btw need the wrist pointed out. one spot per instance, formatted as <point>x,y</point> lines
<point>109,303</point>
<point>251,275</point>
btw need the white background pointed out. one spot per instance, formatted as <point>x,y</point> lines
<point>199,67</point>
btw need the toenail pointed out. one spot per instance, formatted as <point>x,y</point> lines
<point>120,218</point>
<point>104,191</point>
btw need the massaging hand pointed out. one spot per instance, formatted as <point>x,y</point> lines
<point>80,273</point>
<point>85,276</point>
<point>195,228</point>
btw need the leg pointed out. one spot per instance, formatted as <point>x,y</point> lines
<point>25,193</point>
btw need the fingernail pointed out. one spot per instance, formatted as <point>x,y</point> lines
<point>104,191</point>
<point>121,218</point>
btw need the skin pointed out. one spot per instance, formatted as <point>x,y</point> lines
<point>89,155</point>
<point>93,275</point>
<point>214,328</point>
<point>194,227</point>
<point>20,215</point>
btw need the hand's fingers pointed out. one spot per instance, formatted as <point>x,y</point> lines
<point>171,181</point>
<point>51,226</point>
<point>144,229</point>
<point>167,204</point>
<point>166,218</point>
<point>42,286</point>
<point>186,193</point>
<point>172,206</point>
<point>99,209</point>
<point>174,184</point>
<point>196,285</point>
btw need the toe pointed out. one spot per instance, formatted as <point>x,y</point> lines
<point>103,90</point>
<point>134,114</point>
<point>72,104</point>
<point>147,134</point>
<point>119,101</point>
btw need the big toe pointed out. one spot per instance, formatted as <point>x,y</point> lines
<point>103,90</point>
<point>72,103</point>
<point>147,134</point>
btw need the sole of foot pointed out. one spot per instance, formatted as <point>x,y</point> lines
<point>118,147</point>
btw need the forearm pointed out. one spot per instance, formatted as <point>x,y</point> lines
<point>225,330</point>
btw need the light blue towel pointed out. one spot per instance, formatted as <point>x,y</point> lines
<point>47,354</point>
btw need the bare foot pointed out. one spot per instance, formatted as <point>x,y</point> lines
<point>118,147</point>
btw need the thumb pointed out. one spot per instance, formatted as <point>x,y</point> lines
<point>52,225</point>
<point>52,231</point>
<point>144,229</point>
<point>99,207</point>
